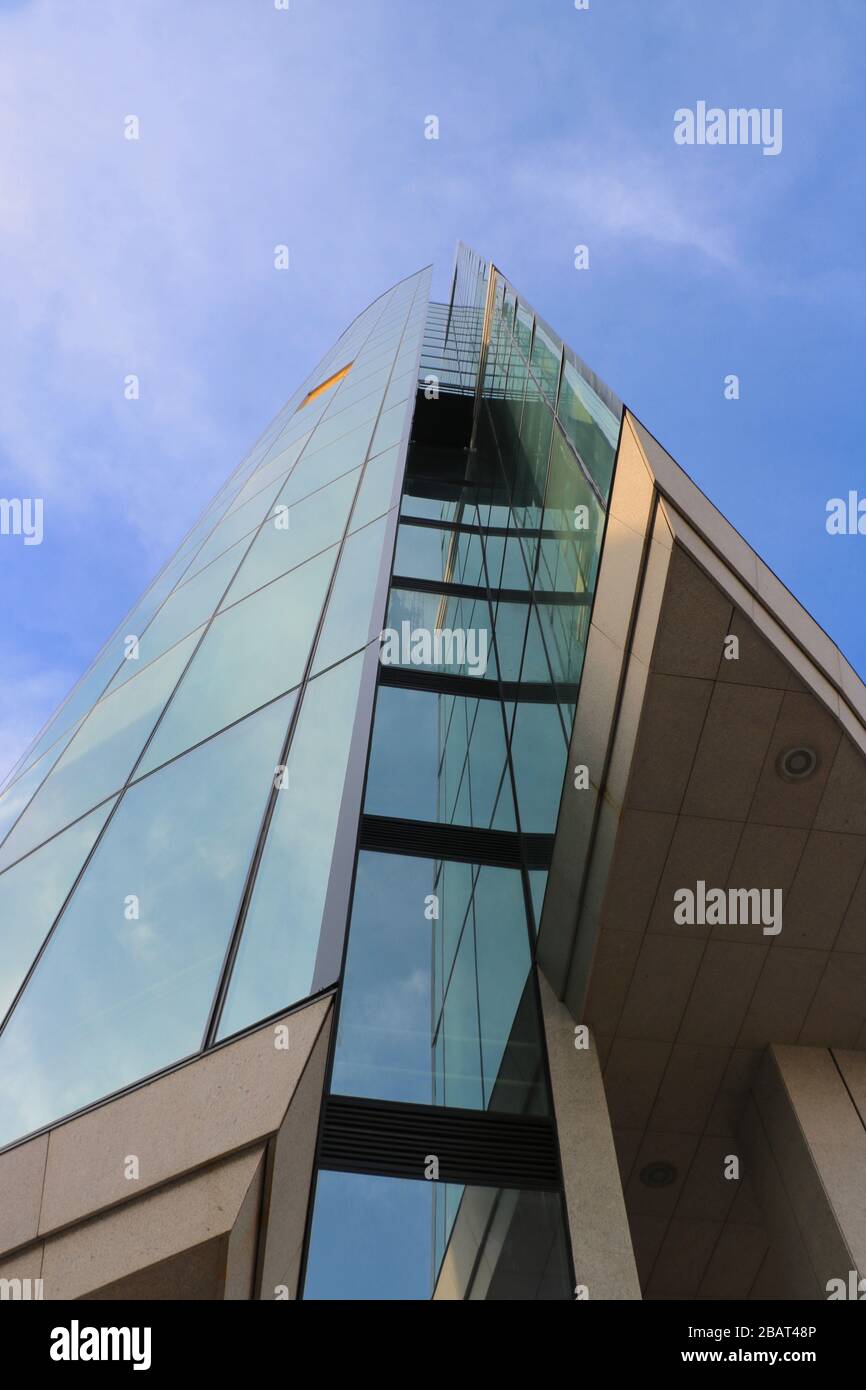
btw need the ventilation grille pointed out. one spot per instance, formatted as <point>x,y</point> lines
<point>478,687</point>
<point>476,1147</point>
<point>431,840</point>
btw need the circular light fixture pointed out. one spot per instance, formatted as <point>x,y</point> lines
<point>796,764</point>
<point>658,1174</point>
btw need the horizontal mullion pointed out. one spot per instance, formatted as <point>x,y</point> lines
<point>469,844</point>
<point>479,687</point>
<point>451,590</point>
<point>544,533</point>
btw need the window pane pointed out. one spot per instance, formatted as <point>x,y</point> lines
<point>426,552</point>
<point>277,956</point>
<point>373,1239</point>
<point>511,1052</point>
<point>315,470</point>
<point>590,425</point>
<point>32,893</point>
<point>457,763</point>
<point>349,621</point>
<point>377,490</point>
<point>384,1047</point>
<point>545,360</point>
<point>271,471</point>
<point>443,634</point>
<point>460,1082</point>
<point>101,756</point>
<point>428,941</point>
<point>233,527</point>
<point>389,429</point>
<point>187,608</point>
<point>16,797</point>
<point>292,535</point>
<point>335,426</point>
<point>538,756</point>
<point>252,652</point>
<point>127,996</point>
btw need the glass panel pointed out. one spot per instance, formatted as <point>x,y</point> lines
<point>127,979</point>
<point>32,893</point>
<point>385,1038</point>
<point>277,956</point>
<point>546,354</point>
<point>402,386</point>
<point>426,552</point>
<point>523,327</point>
<point>590,425</point>
<point>460,1084</point>
<point>366,384</point>
<point>538,758</point>
<point>440,633</point>
<point>409,1020</point>
<point>511,1054</point>
<point>434,508</point>
<point>252,652</point>
<point>236,524</point>
<point>373,1238</point>
<point>458,757</point>
<point>377,489</point>
<point>349,621</point>
<point>187,608</point>
<point>101,756</point>
<point>389,429</point>
<point>16,797</point>
<point>335,426</point>
<point>315,470</point>
<point>293,534</point>
<point>271,471</point>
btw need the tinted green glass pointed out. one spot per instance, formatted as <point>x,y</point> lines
<point>271,471</point>
<point>350,620</point>
<point>376,495</point>
<point>445,634</point>
<point>102,754</point>
<point>590,425</point>
<point>425,552</point>
<point>187,608</point>
<point>315,470</point>
<point>17,796</point>
<point>458,757</point>
<point>546,355</point>
<point>503,1244</point>
<point>251,653</point>
<point>389,430</point>
<point>276,960</point>
<point>32,893</point>
<point>384,1047</point>
<point>538,758</point>
<point>511,1051</point>
<point>294,534</point>
<point>237,524</point>
<point>128,976</point>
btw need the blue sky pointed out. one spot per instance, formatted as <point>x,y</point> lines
<point>306,127</point>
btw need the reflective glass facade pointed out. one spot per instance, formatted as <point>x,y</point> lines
<point>167,870</point>
<point>325,752</point>
<point>495,562</point>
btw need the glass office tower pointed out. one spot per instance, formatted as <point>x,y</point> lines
<point>324,754</point>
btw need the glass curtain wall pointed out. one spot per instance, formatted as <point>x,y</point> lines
<point>167,844</point>
<point>494,570</point>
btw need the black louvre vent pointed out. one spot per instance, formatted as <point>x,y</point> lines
<point>393,1140</point>
<point>478,687</point>
<point>430,840</point>
<point>559,597</point>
